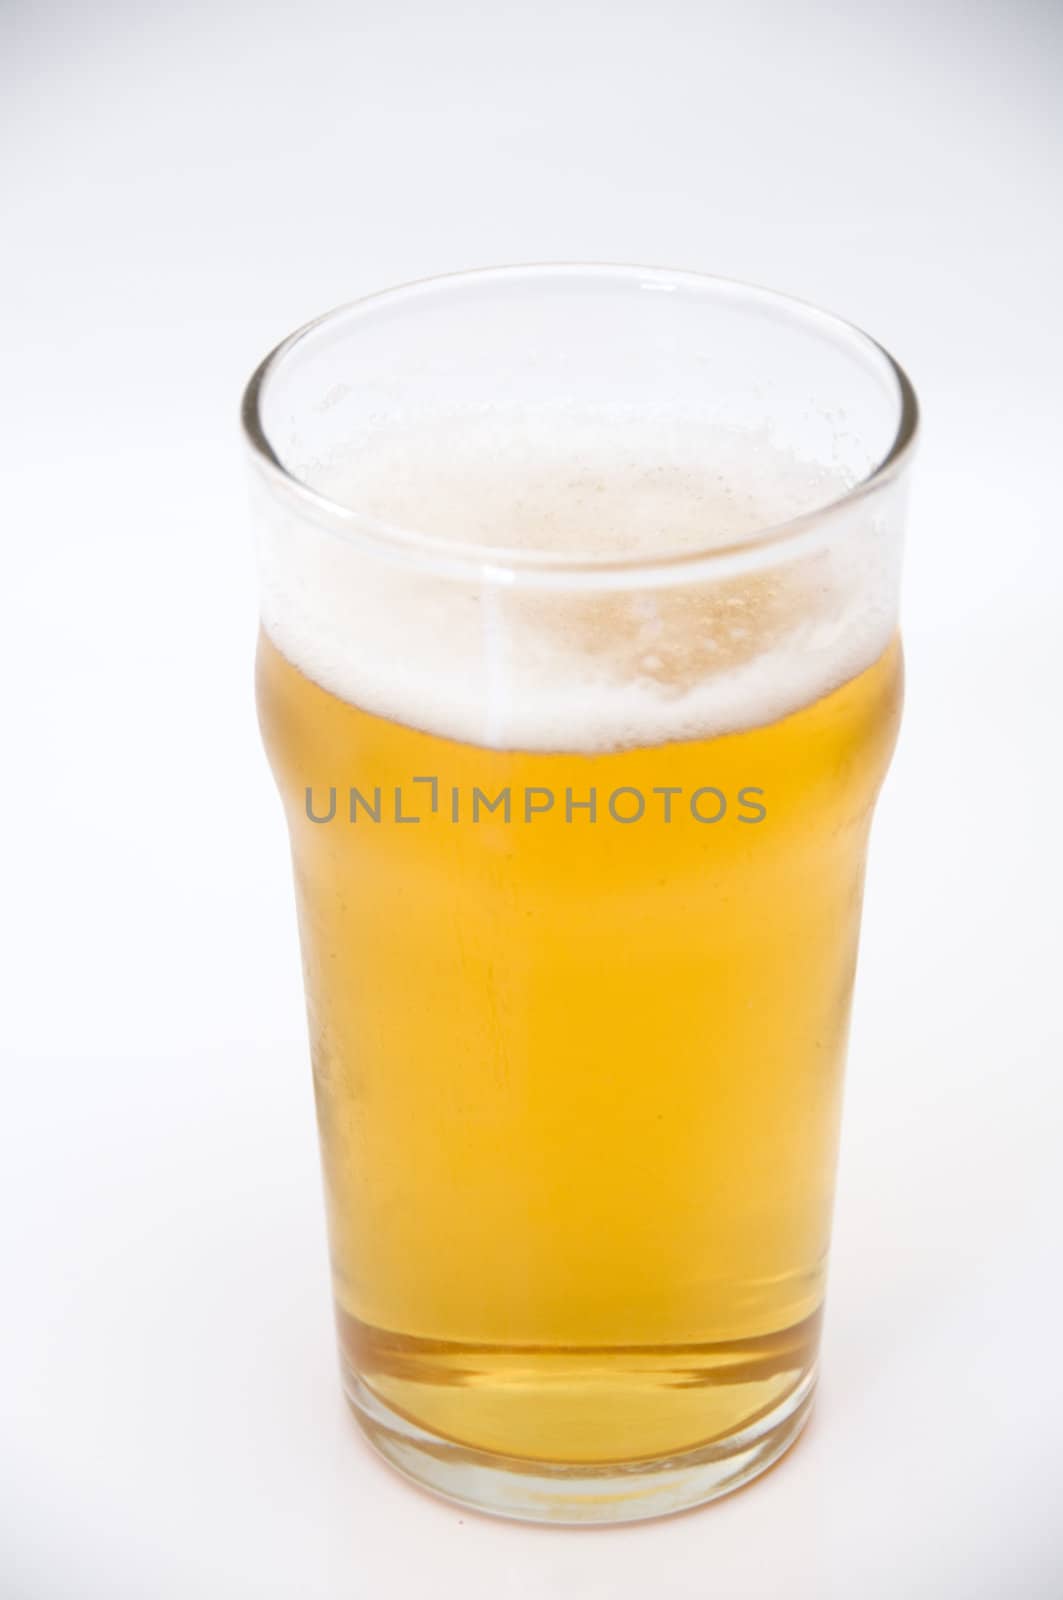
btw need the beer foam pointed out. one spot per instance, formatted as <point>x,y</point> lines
<point>493,655</point>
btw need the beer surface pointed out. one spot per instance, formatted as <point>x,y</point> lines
<point>578,1079</point>
<point>563,661</point>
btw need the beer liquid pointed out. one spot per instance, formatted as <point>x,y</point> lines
<point>578,1079</point>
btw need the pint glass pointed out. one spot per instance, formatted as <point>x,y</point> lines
<point>579,675</point>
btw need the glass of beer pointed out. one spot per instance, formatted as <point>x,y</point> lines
<point>579,675</point>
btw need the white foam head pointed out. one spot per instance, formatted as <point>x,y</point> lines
<point>500,626</point>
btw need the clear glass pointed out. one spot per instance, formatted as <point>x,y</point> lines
<point>579,675</point>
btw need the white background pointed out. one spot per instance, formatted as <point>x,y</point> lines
<point>184,183</point>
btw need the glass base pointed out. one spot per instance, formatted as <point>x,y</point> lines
<point>535,1491</point>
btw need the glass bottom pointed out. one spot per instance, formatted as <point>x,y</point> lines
<point>623,1491</point>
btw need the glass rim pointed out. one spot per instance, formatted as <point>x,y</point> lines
<point>500,562</point>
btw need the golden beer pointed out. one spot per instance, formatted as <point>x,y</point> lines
<point>578,1078</point>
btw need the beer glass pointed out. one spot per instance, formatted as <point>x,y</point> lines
<point>579,674</point>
